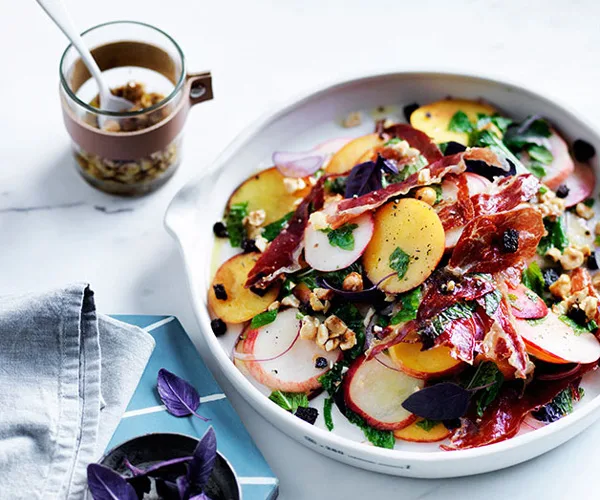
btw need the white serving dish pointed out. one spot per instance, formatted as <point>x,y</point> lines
<point>298,126</point>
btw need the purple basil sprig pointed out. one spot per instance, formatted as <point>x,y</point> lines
<point>366,177</point>
<point>203,461</point>
<point>444,401</point>
<point>106,484</point>
<point>179,396</point>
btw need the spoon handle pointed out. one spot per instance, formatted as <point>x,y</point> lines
<point>58,13</point>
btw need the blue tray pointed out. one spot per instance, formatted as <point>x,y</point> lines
<point>145,413</point>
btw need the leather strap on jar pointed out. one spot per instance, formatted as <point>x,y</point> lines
<point>193,89</point>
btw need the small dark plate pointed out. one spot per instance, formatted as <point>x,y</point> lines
<point>149,449</point>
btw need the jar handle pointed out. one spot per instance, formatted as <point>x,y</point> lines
<point>199,87</point>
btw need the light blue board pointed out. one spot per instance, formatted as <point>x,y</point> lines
<point>175,352</point>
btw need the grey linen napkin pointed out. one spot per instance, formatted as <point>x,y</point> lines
<point>66,377</point>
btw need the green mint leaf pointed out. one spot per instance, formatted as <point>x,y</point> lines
<point>460,123</point>
<point>534,279</point>
<point>517,139</point>
<point>491,302</point>
<point>392,141</point>
<point>589,202</point>
<point>382,439</point>
<point>543,189</point>
<point>410,305</point>
<point>234,222</point>
<point>537,169</point>
<point>556,236</point>
<point>271,231</point>
<point>264,318</point>
<point>540,153</point>
<point>438,193</point>
<point>336,185</point>
<point>577,328</point>
<point>427,424</point>
<point>563,401</point>
<point>327,406</point>
<point>399,261</point>
<point>341,237</point>
<point>490,379</point>
<point>536,322</point>
<point>437,326</point>
<point>289,401</point>
<point>597,240</point>
<point>501,122</point>
<point>331,380</point>
<point>486,138</point>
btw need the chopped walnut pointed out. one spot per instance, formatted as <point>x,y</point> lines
<point>561,287</point>
<point>424,176</point>
<point>293,184</point>
<point>323,293</point>
<point>332,344</point>
<point>353,282</point>
<point>348,340</point>
<point>549,205</point>
<point>309,327</point>
<point>255,218</point>
<point>584,211</point>
<point>554,253</point>
<point>273,306</point>
<point>426,194</point>
<point>290,301</point>
<point>571,258</point>
<point>316,305</point>
<point>589,305</point>
<point>353,119</point>
<point>261,243</point>
<point>322,335</point>
<point>338,330</point>
<point>318,220</point>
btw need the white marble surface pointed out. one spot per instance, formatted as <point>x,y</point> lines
<point>261,52</point>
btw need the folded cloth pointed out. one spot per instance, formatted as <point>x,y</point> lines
<point>66,377</point>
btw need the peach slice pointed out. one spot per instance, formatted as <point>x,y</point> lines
<point>429,364</point>
<point>417,434</point>
<point>409,230</point>
<point>241,303</point>
<point>265,190</point>
<point>349,155</point>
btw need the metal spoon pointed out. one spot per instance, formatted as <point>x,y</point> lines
<point>108,102</point>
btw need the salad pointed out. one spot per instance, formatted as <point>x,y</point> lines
<point>436,280</point>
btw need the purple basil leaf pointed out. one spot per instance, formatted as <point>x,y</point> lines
<point>202,464</point>
<point>159,467</point>
<point>444,401</point>
<point>363,179</point>
<point>386,165</point>
<point>106,484</point>
<point>167,490</point>
<point>136,471</point>
<point>183,487</point>
<point>179,396</point>
<point>201,496</point>
<point>372,294</point>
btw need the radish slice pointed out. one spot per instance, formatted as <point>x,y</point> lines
<point>562,165</point>
<point>377,392</point>
<point>307,163</point>
<point>525,304</point>
<point>289,361</point>
<point>323,256</point>
<point>552,340</point>
<point>581,184</point>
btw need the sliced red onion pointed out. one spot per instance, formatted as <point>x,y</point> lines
<point>250,357</point>
<point>306,163</point>
<point>385,361</point>
<point>559,375</point>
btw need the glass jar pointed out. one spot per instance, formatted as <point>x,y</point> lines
<point>133,152</point>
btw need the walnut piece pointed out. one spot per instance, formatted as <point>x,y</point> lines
<point>561,287</point>
<point>353,282</point>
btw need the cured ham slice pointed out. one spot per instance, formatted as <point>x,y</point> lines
<point>506,194</point>
<point>481,248</point>
<point>416,139</point>
<point>503,418</point>
<point>457,213</point>
<point>351,208</point>
<point>282,255</point>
